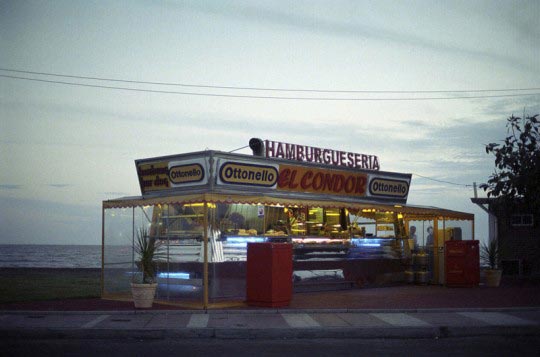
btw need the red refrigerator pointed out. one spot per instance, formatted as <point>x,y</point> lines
<point>462,263</point>
<point>269,274</point>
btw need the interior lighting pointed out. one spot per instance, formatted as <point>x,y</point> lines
<point>311,240</point>
<point>210,205</point>
<point>173,275</point>
<point>246,239</point>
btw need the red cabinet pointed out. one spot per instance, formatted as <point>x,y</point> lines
<point>462,263</point>
<point>269,274</point>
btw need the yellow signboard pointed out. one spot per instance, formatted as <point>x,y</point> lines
<point>181,174</point>
<point>323,181</point>
<point>153,177</point>
<point>165,175</point>
<point>240,173</point>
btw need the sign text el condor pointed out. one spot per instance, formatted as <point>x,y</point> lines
<point>336,182</point>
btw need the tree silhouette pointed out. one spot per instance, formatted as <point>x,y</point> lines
<point>516,178</point>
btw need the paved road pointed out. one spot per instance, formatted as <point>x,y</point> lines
<point>464,346</point>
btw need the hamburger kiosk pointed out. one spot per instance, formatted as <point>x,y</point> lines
<point>348,222</point>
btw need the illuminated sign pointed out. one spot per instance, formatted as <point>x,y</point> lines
<point>260,175</point>
<point>164,175</point>
<point>335,182</point>
<point>274,149</point>
<point>153,177</point>
<point>240,173</point>
<point>388,188</point>
<point>182,174</point>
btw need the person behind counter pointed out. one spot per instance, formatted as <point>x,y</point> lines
<point>429,240</point>
<point>413,237</point>
<point>430,251</point>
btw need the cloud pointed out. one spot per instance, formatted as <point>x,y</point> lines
<point>391,35</point>
<point>504,107</point>
<point>10,187</point>
<point>115,194</point>
<point>59,185</point>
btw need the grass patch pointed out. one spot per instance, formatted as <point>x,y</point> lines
<point>32,284</point>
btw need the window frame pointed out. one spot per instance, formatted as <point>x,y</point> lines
<point>521,220</point>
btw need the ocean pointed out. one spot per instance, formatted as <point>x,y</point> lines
<point>53,256</point>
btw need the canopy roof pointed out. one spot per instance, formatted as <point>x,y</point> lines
<point>218,177</point>
<point>411,211</point>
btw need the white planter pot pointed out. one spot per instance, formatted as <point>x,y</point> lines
<point>143,295</point>
<point>493,277</point>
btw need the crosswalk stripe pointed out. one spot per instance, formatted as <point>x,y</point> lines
<point>300,320</point>
<point>400,319</point>
<point>496,318</point>
<point>95,321</point>
<point>198,321</point>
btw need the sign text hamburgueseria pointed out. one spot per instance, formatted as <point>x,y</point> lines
<point>278,150</point>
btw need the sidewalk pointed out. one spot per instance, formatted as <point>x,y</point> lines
<point>405,311</point>
<point>511,293</point>
<point>269,324</point>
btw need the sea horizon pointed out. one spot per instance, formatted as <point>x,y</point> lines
<point>56,255</point>
<point>2,244</point>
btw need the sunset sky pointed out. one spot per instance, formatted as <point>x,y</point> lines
<point>389,78</point>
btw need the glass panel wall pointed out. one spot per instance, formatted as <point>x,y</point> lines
<point>232,227</point>
<point>180,230</point>
<point>328,243</point>
<point>118,252</point>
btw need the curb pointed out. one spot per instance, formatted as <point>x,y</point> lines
<point>263,311</point>
<point>271,333</point>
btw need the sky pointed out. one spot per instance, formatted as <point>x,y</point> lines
<point>66,148</point>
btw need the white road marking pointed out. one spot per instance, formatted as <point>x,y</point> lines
<point>198,321</point>
<point>300,320</point>
<point>496,318</point>
<point>95,321</point>
<point>400,319</point>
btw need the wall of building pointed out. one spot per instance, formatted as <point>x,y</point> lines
<point>519,244</point>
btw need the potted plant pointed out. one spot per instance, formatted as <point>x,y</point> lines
<point>490,255</point>
<point>143,289</point>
